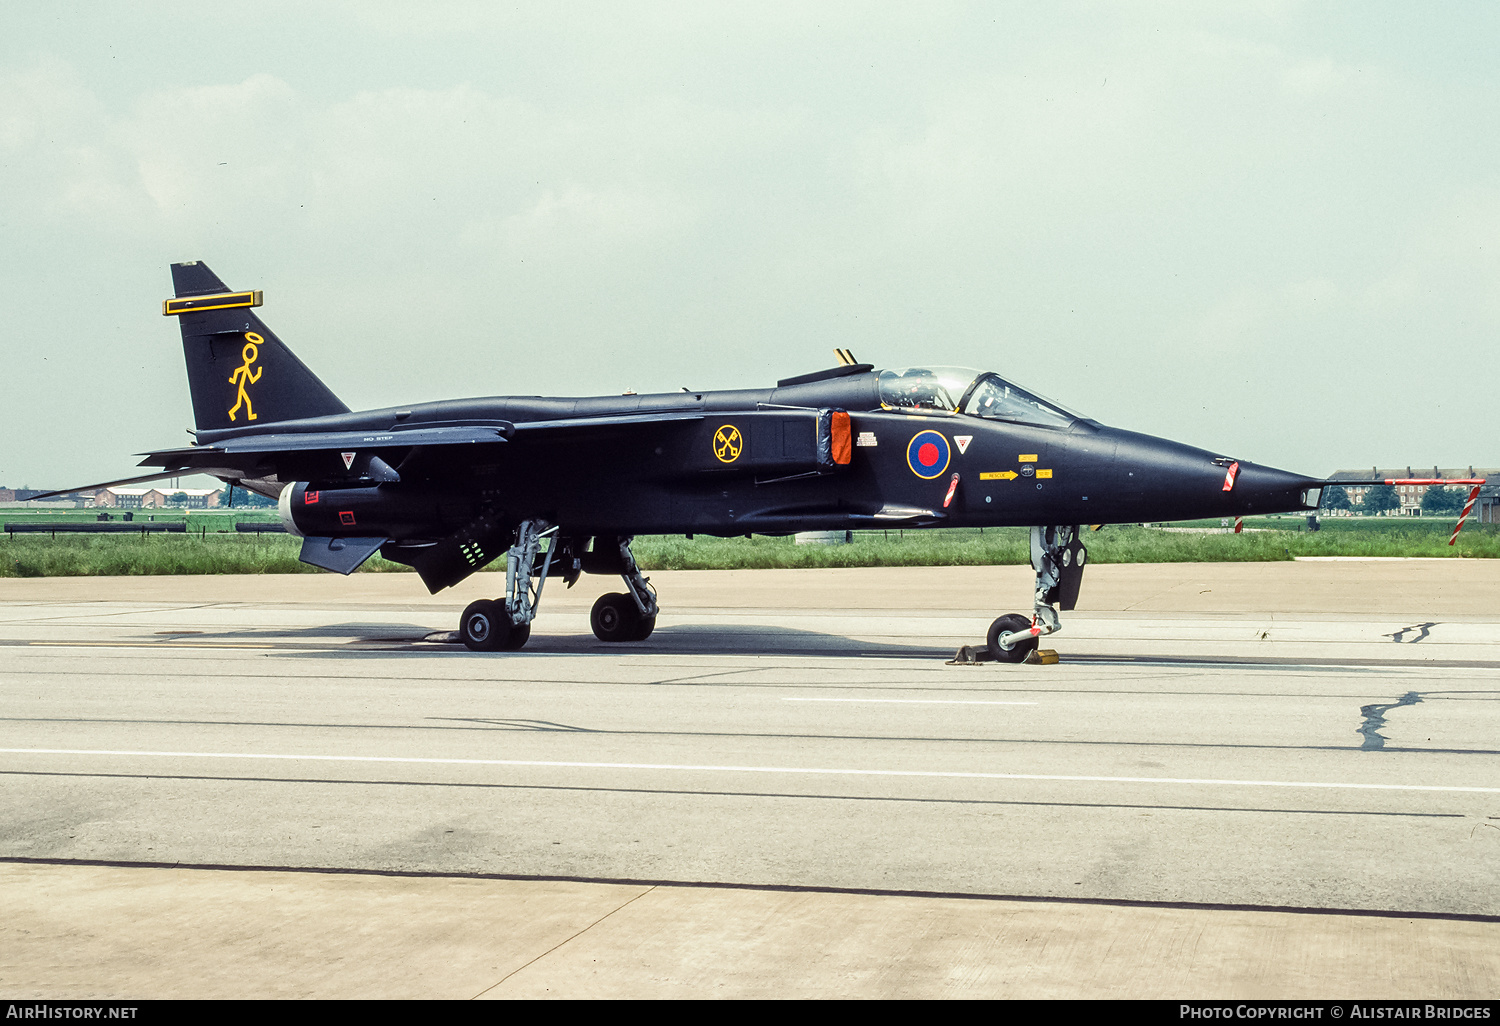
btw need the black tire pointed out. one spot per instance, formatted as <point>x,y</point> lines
<point>484,627</point>
<point>520,633</point>
<point>1005,625</point>
<point>645,627</point>
<point>615,618</point>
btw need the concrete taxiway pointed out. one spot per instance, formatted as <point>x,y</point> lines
<point>1243,780</point>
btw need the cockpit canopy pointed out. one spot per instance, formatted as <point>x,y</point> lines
<point>962,390</point>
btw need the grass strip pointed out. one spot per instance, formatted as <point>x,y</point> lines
<point>1265,540</point>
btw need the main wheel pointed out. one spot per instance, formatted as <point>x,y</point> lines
<point>1007,624</point>
<point>484,626</point>
<point>645,627</point>
<point>520,633</point>
<point>615,618</point>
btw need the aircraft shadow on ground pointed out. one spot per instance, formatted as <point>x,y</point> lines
<point>361,639</point>
<point>680,639</point>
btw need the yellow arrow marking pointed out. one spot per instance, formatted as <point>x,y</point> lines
<point>1001,475</point>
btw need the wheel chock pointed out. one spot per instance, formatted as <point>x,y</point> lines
<point>973,655</point>
<point>970,655</point>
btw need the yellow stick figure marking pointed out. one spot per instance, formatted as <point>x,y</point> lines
<point>728,443</point>
<point>243,376</point>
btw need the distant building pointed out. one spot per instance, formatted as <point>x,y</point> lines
<point>128,498</point>
<point>22,497</point>
<point>1487,508</point>
<point>158,498</point>
<point>192,498</point>
<point>1410,495</point>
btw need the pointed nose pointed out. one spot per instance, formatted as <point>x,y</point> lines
<point>1260,489</point>
<point>1157,479</point>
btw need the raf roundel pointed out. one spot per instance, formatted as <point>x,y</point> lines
<point>927,454</point>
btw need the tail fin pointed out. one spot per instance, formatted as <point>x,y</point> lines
<point>239,372</point>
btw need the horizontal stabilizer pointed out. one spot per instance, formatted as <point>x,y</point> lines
<point>341,555</point>
<point>116,484</point>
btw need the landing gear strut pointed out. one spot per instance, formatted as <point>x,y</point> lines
<point>492,625</point>
<point>1057,555</point>
<point>624,617</point>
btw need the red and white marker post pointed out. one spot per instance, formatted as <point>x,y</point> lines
<point>1468,506</point>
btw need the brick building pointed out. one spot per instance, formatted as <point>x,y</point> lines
<point>158,498</point>
<point>1410,495</point>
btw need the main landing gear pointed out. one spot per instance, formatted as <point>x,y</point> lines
<point>627,617</point>
<point>493,625</point>
<point>1057,555</point>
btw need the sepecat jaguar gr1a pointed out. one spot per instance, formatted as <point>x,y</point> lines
<point>560,486</point>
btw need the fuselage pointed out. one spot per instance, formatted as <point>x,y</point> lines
<point>746,461</point>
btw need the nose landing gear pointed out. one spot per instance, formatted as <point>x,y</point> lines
<point>1058,556</point>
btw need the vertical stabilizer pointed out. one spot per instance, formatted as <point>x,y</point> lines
<point>240,373</point>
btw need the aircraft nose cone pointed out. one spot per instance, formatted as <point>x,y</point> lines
<point>1162,480</point>
<point>1260,489</point>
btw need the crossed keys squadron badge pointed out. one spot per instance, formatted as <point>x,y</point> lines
<point>728,443</point>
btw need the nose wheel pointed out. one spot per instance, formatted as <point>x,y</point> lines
<point>1010,624</point>
<point>1058,555</point>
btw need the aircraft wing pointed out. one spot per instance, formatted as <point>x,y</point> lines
<point>250,456</point>
<point>334,441</point>
<point>235,452</point>
<point>537,428</point>
<point>318,454</point>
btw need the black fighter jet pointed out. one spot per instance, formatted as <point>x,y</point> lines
<point>559,487</point>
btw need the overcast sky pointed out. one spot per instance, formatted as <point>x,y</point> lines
<point>1270,229</point>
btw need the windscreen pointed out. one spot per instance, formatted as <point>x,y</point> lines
<point>981,393</point>
<point>997,399</point>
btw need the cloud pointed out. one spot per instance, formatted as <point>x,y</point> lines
<point>1119,204</point>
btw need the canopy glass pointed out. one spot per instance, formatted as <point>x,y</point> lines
<point>963,390</point>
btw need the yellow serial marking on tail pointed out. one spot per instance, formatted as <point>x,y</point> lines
<point>198,304</point>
